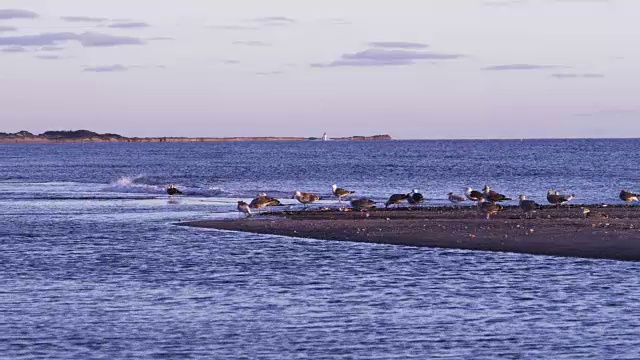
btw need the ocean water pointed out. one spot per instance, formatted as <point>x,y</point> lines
<point>92,264</point>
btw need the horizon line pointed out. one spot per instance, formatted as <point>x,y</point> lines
<point>348,136</point>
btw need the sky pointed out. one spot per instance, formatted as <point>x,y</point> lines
<point>414,69</point>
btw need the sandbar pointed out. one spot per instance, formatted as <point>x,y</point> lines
<point>549,231</point>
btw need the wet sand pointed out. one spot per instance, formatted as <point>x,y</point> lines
<point>549,231</point>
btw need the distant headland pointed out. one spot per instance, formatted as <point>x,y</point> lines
<point>90,136</point>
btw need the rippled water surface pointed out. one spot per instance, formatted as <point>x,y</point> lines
<point>91,265</point>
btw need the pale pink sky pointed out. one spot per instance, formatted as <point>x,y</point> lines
<point>412,69</point>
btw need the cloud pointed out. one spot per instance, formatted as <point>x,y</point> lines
<point>234,27</point>
<point>385,57</point>
<point>258,23</point>
<point>48,57</point>
<point>17,14</point>
<point>95,39</point>
<point>398,44</point>
<point>338,21</point>
<point>397,55</point>
<point>577,76</point>
<point>87,39</point>
<point>231,62</point>
<point>583,1</point>
<point>14,49</point>
<point>147,67</point>
<point>268,73</point>
<point>520,67</point>
<point>129,25</point>
<point>503,2</point>
<point>363,63</point>
<point>83,19</point>
<point>161,38</point>
<point>51,48</point>
<point>38,40</point>
<point>106,68</point>
<point>7,28</point>
<point>274,21</point>
<point>251,43</point>
<point>610,112</point>
<point>120,68</point>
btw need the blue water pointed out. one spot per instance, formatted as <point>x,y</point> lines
<point>91,265</point>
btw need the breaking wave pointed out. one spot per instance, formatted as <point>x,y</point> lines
<point>142,184</point>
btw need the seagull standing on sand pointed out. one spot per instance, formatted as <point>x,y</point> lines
<point>264,201</point>
<point>527,205</point>
<point>455,198</point>
<point>474,195</point>
<point>395,199</point>
<point>415,198</point>
<point>593,214</point>
<point>243,207</point>
<point>306,198</point>
<point>362,204</point>
<point>557,199</point>
<point>340,192</point>
<point>628,197</point>
<point>172,190</point>
<point>493,196</point>
<point>489,208</point>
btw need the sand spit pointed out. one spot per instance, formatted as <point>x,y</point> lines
<point>550,231</point>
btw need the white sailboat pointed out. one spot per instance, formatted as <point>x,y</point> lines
<point>324,137</point>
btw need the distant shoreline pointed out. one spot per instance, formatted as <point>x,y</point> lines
<point>85,136</point>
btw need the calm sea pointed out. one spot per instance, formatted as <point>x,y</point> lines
<point>91,265</point>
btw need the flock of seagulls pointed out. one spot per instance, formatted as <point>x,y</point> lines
<point>487,200</point>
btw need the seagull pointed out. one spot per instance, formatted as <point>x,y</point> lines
<point>557,199</point>
<point>490,208</point>
<point>264,201</point>
<point>243,207</point>
<point>527,205</point>
<point>395,199</point>
<point>340,192</point>
<point>593,214</point>
<point>415,198</point>
<point>493,196</point>
<point>172,190</point>
<point>474,195</point>
<point>627,196</point>
<point>306,198</point>
<point>362,204</point>
<point>455,198</point>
